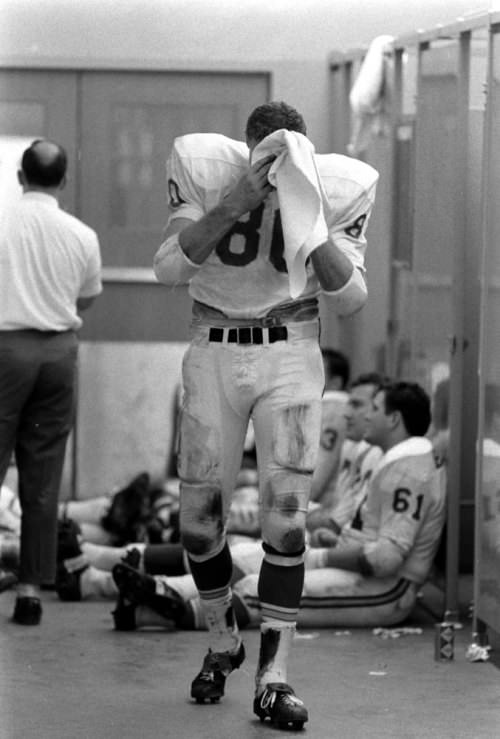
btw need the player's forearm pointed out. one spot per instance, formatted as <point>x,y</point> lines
<point>199,239</point>
<point>321,518</point>
<point>333,268</point>
<point>343,283</point>
<point>346,556</point>
<point>188,243</point>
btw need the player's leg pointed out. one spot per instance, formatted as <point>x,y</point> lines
<point>212,435</point>
<point>287,426</point>
<point>84,569</point>
<point>334,598</point>
<point>151,596</point>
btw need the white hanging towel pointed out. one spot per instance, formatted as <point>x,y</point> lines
<point>301,198</point>
<point>369,94</point>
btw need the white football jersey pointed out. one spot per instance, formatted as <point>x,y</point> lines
<point>357,464</point>
<point>246,276</point>
<point>404,511</point>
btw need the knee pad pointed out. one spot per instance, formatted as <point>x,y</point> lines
<point>284,510</point>
<point>201,519</point>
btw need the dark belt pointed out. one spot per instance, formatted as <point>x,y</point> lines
<point>249,334</point>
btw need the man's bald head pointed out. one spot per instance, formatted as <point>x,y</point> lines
<point>44,164</point>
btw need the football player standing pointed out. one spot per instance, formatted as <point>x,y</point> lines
<point>254,353</point>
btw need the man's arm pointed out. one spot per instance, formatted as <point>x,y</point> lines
<point>339,262</point>
<point>198,239</point>
<point>333,268</point>
<point>339,278</point>
<point>189,243</point>
<point>347,556</point>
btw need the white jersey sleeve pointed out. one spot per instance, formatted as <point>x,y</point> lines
<point>350,186</point>
<point>201,169</point>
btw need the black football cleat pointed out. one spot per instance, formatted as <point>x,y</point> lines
<point>68,583</point>
<point>210,681</point>
<point>124,616</point>
<point>68,540</point>
<point>279,703</point>
<point>140,590</point>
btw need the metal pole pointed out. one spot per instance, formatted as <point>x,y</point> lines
<point>478,627</point>
<point>455,477</point>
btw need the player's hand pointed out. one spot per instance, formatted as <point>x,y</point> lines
<point>323,538</point>
<point>317,518</point>
<point>252,188</point>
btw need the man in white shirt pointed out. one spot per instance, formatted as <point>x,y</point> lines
<point>50,270</point>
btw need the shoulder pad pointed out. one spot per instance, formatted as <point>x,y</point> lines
<point>211,146</point>
<point>343,168</point>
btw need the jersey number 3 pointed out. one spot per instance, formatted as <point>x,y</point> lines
<point>250,232</point>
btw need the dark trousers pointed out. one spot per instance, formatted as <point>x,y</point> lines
<point>37,380</point>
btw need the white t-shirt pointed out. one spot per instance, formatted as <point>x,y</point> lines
<point>48,259</point>
<point>246,276</point>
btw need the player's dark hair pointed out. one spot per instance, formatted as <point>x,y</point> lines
<point>370,378</point>
<point>270,117</point>
<point>411,400</point>
<point>337,365</point>
<point>44,163</point>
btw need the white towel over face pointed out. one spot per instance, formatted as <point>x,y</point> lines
<point>301,199</point>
